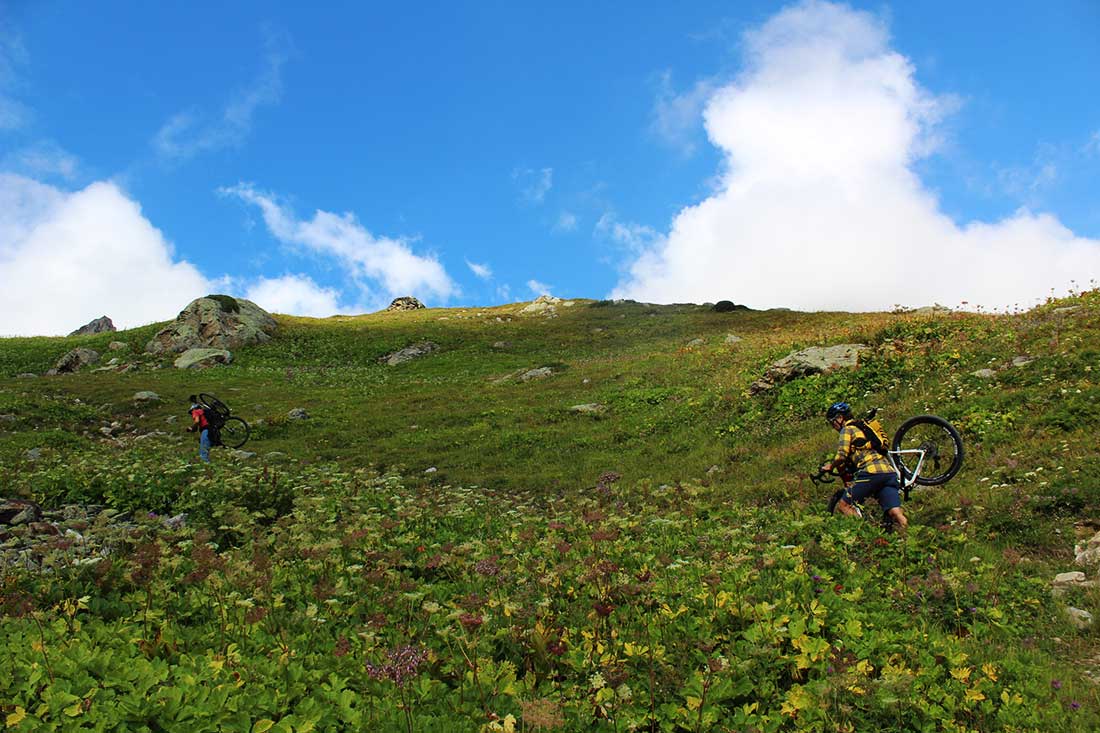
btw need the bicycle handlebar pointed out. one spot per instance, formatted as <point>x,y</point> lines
<point>823,477</point>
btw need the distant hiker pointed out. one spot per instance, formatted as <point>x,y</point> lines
<point>200,423</point>
<point>874,474</point>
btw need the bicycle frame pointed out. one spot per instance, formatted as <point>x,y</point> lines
<point>907,483</point>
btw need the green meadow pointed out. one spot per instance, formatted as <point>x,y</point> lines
<point>442,546</point>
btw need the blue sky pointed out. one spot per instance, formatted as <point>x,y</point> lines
<point>323,160</point>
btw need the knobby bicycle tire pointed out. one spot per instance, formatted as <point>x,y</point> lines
<point>942,446</point>
<point>234,433</point>
<point>209,400</point>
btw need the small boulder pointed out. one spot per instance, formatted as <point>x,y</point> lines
<point>984,374</point>
<point>146,396</point>
<point>415,351</point>
<point>1019,361</point>
<point>544,305</point>
<point>118,346</point>
<point>814,360</point>
<point>297,413</point>
<point>202,358</point>
<point>18,511</point>
<point>694,343</point>
<point>76,360</point>
<point>99,325</point>
<point>539,373</point>
<point>1080,618</point>
<point>405,303</point>
<point>728,306</point>
<point>591,408</point>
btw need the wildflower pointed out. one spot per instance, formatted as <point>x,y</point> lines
<point>603,609</point>
<point>1056,684</point>
<point>487,567</point>
<point>1075,705</point>
<point>402,664</point>
<point>470,621</point>
<point>597,682</point>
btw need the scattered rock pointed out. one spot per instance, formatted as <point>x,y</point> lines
<point>202,358</point>
<point>214,322</point>
<point>19,511</point>
<point>1080,618</point>
<point>728,306</point>
<point>543,305</point>
<point>171,419</point>
<point>713,470</point>
<point>118,346</point>
<point>539,373</point>
<point>814,360</point>
<point>432,469</point>
<point>241,455</point>
<point>297,413</point>
<point>1088,553</point>
<point>275,456</point>
<point>415,351</point>
<point>27,375</point>
<point>99,325</point>
<point>984,373</point>
<point>1020,361</point>
<point>1071,578</point>
<point>32,454</point>
<point>591,408</point>
<point>405,303</point>
<point>146,396</point>
<point>731,339</point>
<point>501,345</point>
<point>8,419</point>
<point>75,360</point>
<point>694,343</point>
<point>1067,309</point>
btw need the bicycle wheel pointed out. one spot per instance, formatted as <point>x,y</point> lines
<point>234,433</point>
<point>942,446</point>
<point>209,400</point>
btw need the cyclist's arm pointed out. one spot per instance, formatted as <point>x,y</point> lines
<point>843,449</point>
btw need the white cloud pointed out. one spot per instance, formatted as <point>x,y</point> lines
<point>819,205</point>
<point>69,257</point>
<point>295,294</point>
<point>534,184</point>
<point>43,159</point>
<point>635,237</point>
<point>482,271</point>
<point>187,134</point>
<point>567,222</point>
<point>539,288</point>
<point>677,116</point>
<point>504,293</point>
<point>374,263</point>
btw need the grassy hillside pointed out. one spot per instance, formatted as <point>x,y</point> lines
<point>662,565</point>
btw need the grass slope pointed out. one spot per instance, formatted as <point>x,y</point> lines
<point>661,566</point>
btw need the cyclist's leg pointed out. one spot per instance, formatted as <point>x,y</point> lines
<point>204,445</point>
<point>848,505</point>
<point>889,496</point>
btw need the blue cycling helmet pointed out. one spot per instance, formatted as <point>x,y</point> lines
<point>836,409</point>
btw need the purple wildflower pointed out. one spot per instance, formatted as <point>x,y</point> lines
<point>1056,684</point>
<point>402,664</point>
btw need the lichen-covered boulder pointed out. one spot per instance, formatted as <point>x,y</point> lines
<point>405,303</point>
<point>75,360</point>
<point>202,358</point>
<point>814,360</point>
<point>214,322</point>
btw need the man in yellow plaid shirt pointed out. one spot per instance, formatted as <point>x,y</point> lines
<point>874,475</point>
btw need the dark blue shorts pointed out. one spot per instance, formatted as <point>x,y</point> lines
<point>882,486</point>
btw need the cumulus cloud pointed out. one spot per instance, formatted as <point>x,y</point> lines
<point>381,267</point>
<point>295,294</point>
<point>539,288</point>
<point>634,237</point>
<point>482,271</point>
<point>534,184</point>
<point>69,257</point>
<point>819,205</point>
<point>189,133</point>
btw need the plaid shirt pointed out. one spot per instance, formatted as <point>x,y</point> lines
<point>865,458</point>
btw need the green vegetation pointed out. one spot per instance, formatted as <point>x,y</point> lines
<point>660,565</point>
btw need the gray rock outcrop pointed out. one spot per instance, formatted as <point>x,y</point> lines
<point>99,325</point>
<point>202,358</point>
<point>405,303</point>
<point>214,322</point>
<point>75,360</point>
<point>814,360</point>
<point>415,351</point>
